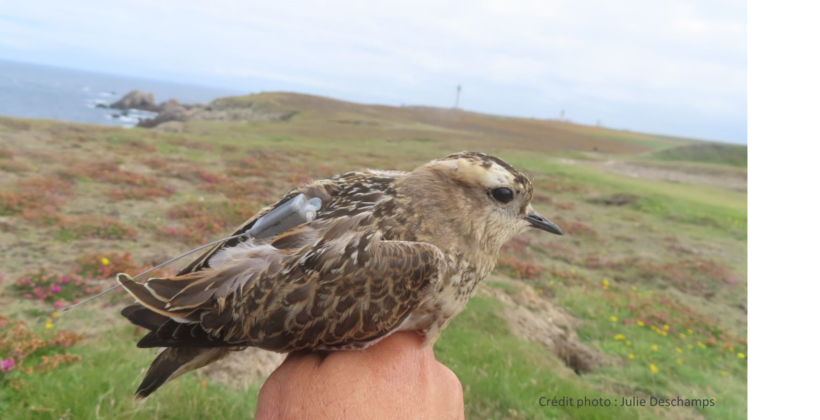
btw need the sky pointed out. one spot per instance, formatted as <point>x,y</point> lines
<point>668,67</point>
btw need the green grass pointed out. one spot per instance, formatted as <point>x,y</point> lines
<point>709,210</point>
<point>721,154</point>
<point>102,386</point>
<point>509,288</point>
<point>646,140</point>
<point>705,372</point>
<point>595,180</point>
<point>503,374</point>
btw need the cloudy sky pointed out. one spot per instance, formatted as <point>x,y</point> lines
<point>670,67</point>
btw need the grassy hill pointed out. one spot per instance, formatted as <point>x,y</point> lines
<point>721,154</point>
<point>645,295</point>
<point>325,118</point>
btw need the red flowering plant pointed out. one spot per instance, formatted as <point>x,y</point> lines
<point>22,347</point>
<point>107,265</point>
<point>51,287</point>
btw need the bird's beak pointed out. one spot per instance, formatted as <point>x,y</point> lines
<point>540,222</point>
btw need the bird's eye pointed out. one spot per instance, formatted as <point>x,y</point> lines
<point>502,195</point>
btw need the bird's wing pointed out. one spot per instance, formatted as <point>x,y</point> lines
<point>324,189</point>
<point>342,195</point>
<point>348,287</point>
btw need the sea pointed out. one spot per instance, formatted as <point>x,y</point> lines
<point>38,91</point>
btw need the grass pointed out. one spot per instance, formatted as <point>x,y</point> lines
<point>721,154</point>
<point>72,195</point>
<point>505,377</point>
<point>649,141</point>
<point>708,208</point>
<point>686,365</point>
<point>104,386</point>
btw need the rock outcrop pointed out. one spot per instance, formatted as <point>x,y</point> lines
<point>170,110</point>
<point>137,100</point>
<point>223,109</point>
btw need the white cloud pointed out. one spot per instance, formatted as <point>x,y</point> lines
<point>598,58</point>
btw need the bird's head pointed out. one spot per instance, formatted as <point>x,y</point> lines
<point>480,196</point>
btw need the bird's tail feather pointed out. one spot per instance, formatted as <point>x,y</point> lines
<point>174,362</point>
<point>171,362</point>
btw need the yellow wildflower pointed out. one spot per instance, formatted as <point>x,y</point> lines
<point>606,282</point>
<point>628,343</point>
<point>55,315</point>
<point>655,347</point>
<point>552,282</point>
<point>679,350</point>
<point>49,326</point>
<point>640,323</point>
<point>653,368</point>
<point>724,373</point>
<point>632,356</point>
<point>680,361</point>
<point>682,335</point>
<point>690,331</point>
<point>741,355</point>
<point>689,346</point>
<point>701,345</point>
<point>620,337</point>
<point>666,327</point>
<point>105,261</point>
<point>634,288</point>
<point>613,319</point>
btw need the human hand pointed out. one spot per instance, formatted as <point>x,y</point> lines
<point>395,379</point>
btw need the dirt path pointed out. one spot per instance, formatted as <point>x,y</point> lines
<point>730,179</point>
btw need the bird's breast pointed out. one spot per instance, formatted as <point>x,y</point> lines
<point>450,296</point>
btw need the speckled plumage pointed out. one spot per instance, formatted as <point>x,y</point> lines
<point>389,251</point>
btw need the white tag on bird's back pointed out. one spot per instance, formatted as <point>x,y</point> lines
<point>281,219</point>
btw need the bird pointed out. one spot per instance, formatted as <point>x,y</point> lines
<point>388,251</point>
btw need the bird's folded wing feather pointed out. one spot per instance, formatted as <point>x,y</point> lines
<point>349,287</point>
<point>321,189</point>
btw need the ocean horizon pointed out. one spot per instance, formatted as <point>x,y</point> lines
<point>46,92</point>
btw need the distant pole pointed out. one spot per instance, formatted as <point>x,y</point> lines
<point>562,115</point>
<point>458,94</point>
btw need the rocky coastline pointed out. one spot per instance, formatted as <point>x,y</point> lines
<point>169,114</point>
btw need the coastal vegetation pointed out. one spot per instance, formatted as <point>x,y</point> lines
<point>645,295</point>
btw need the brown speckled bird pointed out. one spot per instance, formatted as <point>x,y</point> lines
<point>389,251</point>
